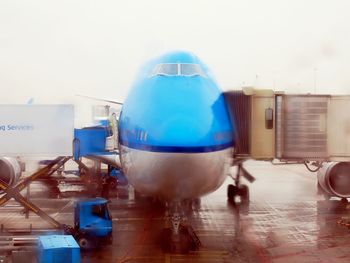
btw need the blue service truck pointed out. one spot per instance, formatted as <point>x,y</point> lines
<point>92,223</point>
<point>92,228</point>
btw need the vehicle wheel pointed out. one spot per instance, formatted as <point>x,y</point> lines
<point>166,240</point>
<point>186,243</point>
<point>84,242</point>
<point>182,244</point>
<point>344,201</point>
<point>112,182</point>
<point>231,192</point>
<point>244,192</point>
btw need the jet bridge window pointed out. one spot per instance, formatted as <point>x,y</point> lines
<point>178,69</point>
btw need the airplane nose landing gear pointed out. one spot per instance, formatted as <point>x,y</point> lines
<point>180,236</point>
<point>175,222</point>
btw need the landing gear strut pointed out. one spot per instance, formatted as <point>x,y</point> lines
<point>239,189</point>
<point>180,236</point>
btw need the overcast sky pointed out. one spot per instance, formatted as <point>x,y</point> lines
<point>52,50</point>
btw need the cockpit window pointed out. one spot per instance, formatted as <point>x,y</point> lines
<point>166,70</point>
<point>178,69</point>
<point>191,70</point>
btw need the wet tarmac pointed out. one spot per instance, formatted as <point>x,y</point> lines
<point>285,221</point>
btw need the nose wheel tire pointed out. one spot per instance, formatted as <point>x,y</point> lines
<point>181,243</point>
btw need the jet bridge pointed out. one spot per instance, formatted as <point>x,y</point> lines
<point>290,126</point>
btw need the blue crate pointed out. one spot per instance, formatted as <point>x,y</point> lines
<point>58,249</point>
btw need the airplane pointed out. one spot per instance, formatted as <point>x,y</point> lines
<point>175,135</point>
<point>176,142</point>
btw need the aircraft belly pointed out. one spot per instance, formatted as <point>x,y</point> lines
<point>175,176</point>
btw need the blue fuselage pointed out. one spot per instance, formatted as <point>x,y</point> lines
<point>175,106</point>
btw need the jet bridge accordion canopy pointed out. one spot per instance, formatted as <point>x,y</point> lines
<point>239,109</point>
